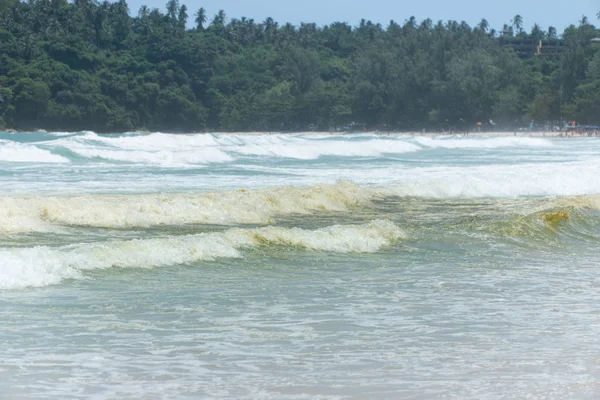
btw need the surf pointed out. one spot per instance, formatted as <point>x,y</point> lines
<point>44,265</point>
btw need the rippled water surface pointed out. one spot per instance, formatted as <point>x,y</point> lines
<point>299,267</point>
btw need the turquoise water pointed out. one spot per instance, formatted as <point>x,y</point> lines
<point>299,267</point>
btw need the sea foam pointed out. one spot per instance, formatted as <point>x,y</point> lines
<point>303,148</point>
<point>42,266</point>
<point>154,149</point>
<point>263,206</point>
<point>36,213</point>
<point>27,153</point>
<point>483,143</point>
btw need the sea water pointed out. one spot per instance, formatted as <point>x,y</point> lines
<point>158,266</point>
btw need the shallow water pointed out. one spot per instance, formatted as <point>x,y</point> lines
<point>298,266</point>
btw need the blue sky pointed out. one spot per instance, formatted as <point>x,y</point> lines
<point>498,12</point>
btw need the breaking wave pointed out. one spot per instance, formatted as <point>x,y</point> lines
<point>180,150</point>
<point>154,149</point>
<point>303,148</point>
<point>42,266</point>
<point>34,213</point>
<point>18,152</point>
<point>260,206</point>
<point>483,143</point>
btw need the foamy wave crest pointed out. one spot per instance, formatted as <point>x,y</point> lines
<point>483,143</point>
<point>61,134</point>
<point>42,266</point>
<point>156,141</point>
<point>162,158</point>
<point>591,202</point>
<point>17,152</point>
<point>17,215</point>
<point>22,214</point>
<point>155,149</point>
<point>367,238</point>
<point>508,181</point>
<point>309,149</point>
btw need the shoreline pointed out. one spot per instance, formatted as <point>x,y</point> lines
<point>535,134</point>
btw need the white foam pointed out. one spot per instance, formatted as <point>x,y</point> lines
<point>17,215</point>
<point>310,149</point>
<point>192,149</point>
<point>19,152</point>
<point>508,181</point>
<point>155,149</point>
<point>34,213</point>
<point>156,141</point>
<point>146,147</point>
<point>483,143</point>
<point>162,158</point>
<point>263,206</point>
<point>368,238</point>
<point>41,266</point>
<point>60,134</point>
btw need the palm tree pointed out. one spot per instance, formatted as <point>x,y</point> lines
<point>200,19</point>
<point>517,23</point>
<point>484,25</point>
<point>584,21</point>
<point>219,19</point>
<point>143,12</point>
<point>287,33</point>
<point>119,20</point>
<point>427,24</point>
<point>172,9</point>
<point>537,33</point>
<point>143,23</point>
<point>270,24</point>
<point>182,18</point>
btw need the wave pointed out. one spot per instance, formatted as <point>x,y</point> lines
<point>177,150</point>
<point>35,213</point>
<point>19,214</point>
<point>154,149</point>
<point>154,141</point>
<point>27,153</point>
<point>303,148</point>
<point>483,143</point>
<point>500,181</point>
<point>552,226</point>
<point>42,266</point>
<point>62,134</point>
<point>182,149</point>
<point>162,157</point>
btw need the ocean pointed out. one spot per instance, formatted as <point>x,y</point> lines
<point>297,266</point>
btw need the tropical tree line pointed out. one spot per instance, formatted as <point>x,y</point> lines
<point>92,65</point>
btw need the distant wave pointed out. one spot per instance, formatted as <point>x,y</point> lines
<point>303,148</point>
<point>180,150</point>
<point>155,149</point>
<point>483,143</point>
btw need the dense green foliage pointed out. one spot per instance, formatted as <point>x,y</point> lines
<point>90,65</point>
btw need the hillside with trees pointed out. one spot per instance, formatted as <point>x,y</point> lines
<point>89,65</point>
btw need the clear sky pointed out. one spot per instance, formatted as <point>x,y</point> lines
<point>558,13</point>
